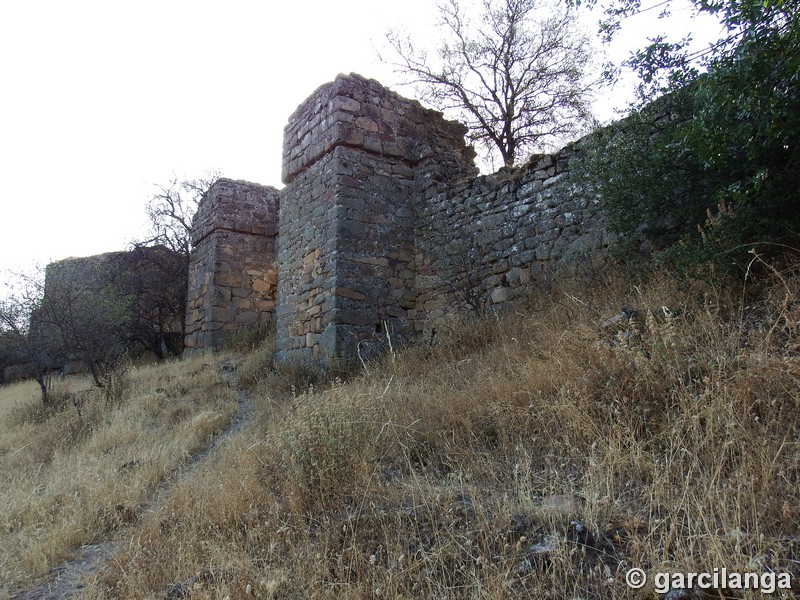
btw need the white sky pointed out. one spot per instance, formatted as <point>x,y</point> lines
<point>101,100</point>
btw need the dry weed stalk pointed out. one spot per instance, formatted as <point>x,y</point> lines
<point>520,457</point>
<point>67,479</point>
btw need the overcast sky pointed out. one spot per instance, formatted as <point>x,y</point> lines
<point>101,100</point>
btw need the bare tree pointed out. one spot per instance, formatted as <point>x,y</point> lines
<point>171,210</point>
<point>156,278</point>
<point>516,75</point>
<point>165,272</point>
<point>19,342</point>
<point>97,309</point>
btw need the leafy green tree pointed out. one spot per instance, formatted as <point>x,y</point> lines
<point>716,160</point>
<point>650,185</point>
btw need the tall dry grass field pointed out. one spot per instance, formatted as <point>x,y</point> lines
<point>16,397</point>
<point>536,455</point>
<point>77,472</point>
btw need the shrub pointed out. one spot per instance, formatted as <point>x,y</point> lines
<point>714,163</point>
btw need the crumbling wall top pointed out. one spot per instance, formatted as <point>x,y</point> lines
<point>358,112</point>
<point>239,206</point>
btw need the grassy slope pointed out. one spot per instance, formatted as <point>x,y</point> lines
<point>63,482</point>
<point>433,474</point>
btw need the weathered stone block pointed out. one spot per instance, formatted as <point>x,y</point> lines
<point>260,285</point>
<point>247,317</point>
<point>499,295</point>
<point>265,306</point>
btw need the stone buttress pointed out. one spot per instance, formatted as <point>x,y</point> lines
<point>383,229</point>
<point>358,159</point>
<point>232,275</point>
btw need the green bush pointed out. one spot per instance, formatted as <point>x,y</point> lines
<point>715,162</point>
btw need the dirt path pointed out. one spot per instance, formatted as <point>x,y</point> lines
<point>67,580</point>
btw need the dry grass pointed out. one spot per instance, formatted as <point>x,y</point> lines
<point>16,398</point>
<point>22,400</point>
<point>668,441</point>
<point>67,478</point>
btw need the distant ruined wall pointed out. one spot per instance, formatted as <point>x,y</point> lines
<point>232,275</point>
<point>135,290</point>
<point>383,228</point>
<point>356,157</point>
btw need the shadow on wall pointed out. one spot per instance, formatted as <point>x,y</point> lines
<point>382,227</point>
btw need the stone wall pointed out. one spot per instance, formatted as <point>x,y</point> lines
<point>356,158</point>
<point>95,307</point>
<point>382,228</point>
<point>147,282</point>
<point>488,242</point>
<point>232,274</point>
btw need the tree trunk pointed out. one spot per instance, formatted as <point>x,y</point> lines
<point>41,380</point>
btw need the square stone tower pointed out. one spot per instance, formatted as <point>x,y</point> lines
<point>358,161</point>
<point>232,276</point>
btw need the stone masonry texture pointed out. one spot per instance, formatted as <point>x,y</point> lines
<point>382,228</point>
<point>232,274</point>
<point>356,157</point>
<point>487,242</point>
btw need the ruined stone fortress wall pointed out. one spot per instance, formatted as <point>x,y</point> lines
<point>382,228</point>
<point>356,158</point>
<point>232,274</point>
<point>485,242</point>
